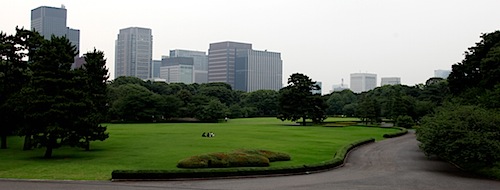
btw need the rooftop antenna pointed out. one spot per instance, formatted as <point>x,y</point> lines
<point>62,6</point>
<point>342,83</point>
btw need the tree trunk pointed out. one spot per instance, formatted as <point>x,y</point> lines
<point>4,141</point>
<point>27,142</point>
<point>304,121</point>
<point>50,146</point>
<point>48,152</point>
<point>87,145</point>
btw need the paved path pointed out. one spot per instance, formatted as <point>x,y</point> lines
<point>386,165</point>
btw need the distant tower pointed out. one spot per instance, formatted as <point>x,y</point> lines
<point>50,21</point>
<point>362,82</point>
<point>258,70</point>
<point>200,63</point>
<point>221,60</point>
<point>390,81</point>
<point>133,52</point>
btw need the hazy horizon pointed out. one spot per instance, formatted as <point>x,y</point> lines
<point>326,40</point>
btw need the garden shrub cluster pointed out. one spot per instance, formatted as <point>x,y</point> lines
<point>238,158</point>
<point>337,160</point>
<point>468,136</point>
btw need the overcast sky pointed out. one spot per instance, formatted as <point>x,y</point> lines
<point>324,39</point>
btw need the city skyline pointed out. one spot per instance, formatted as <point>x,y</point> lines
<point>327,41</point>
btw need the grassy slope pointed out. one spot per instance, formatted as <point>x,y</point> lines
<point>161,146</point>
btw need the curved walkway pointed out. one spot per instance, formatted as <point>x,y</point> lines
<point>389,164</point>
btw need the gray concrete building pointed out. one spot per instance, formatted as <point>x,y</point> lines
<point>177,69</point>
<point>200,63</point>
<point>442,73</point>
<point>155,69</point>
<point>258,70</point>
<point>390,81</point>
<point>362,82</point>
<point>133,52</point>
<point>50,21</point>
<point>221,61</point>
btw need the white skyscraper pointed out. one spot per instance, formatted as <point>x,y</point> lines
<point>133,52</point>
<point>362,82</point>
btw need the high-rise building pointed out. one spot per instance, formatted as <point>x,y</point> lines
<point>339,87</point>
<point>200,63</point>
<point>133,52</point>
<point>50,21</point>
<point>362,82</point>
<point>442,73</point>
<point>258,70</point>
<point>390,81</point>
<point>155,69</point>
<point>177,69</point>
<point>221,60</point>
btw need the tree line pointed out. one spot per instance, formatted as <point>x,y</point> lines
<point>44,99</point>
<point>465,130</point>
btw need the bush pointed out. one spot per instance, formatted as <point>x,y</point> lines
<point>337,160</point>
<point>465,135</point>
<point>238,158</point>
<point>404,121</point>
<point>272,156</point>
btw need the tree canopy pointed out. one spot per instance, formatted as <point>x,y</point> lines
<point>297,101</point>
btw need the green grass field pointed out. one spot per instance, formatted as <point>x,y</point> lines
<point>161,146</point>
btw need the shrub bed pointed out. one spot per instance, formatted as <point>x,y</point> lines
<point>238,158</point>
<point>338,159</point>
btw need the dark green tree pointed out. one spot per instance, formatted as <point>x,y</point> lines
<point>465,135</point>
<point>296,101</point>
<point>14,75</point>
<point>368,109</point>
<point>93,76</point>
<point>48,100</point>
<point>212,112</point>
<point>479,71</point>
<point>265,102</point>
<point>135,103</point>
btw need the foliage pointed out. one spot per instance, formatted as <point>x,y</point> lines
<point>265,102</point>
<point>404,121</point>
<point>479,71</point>
<point>296,101</point>
<point>466,135</point>
<point>59,105</point>
<point>212,112</point>
<point>237,158</point>
<point>14,74</point>
<point>93,78</point>
<point>339,103</point>
<point>368,110</point>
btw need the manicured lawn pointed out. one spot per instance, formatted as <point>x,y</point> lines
<point>161,146</point>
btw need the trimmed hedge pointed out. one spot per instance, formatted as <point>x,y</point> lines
<point>337,160</point>
<point>238,158</point>
<point>402,132</point>
<point>224,160</point>
<point>272,156</point>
